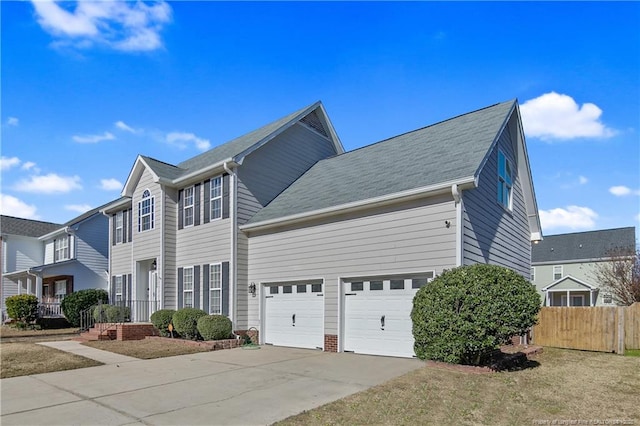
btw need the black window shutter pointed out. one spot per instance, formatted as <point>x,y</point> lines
<point>180,295</point>
<point>129,283</point>
<point>196,204</point>
<point>225,288</point>
<point>205,288</point>
<point>124,226</point>
<point>69,285</point>
<point>196,286</point>
<point>124,288</point>
<point>130,213</point>
<point>113,230</point>
<point>112,295</point>
<point>207,201</point>
<point>180,208</point>
<point>225,196</point>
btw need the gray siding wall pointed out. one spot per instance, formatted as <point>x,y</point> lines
<point>168,277</point>
<point>22,253</point>
<point>91,250</point>
<point>242,280</point>
<point>266,172</point>
<point>406,238</point>
<point>584,271</point>
<point>491,234</point>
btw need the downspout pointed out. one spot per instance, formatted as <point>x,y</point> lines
<point>234,243</point>
<point>457,198</point>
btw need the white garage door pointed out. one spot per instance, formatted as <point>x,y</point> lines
<point>294,315</point>
<point>377,315</point>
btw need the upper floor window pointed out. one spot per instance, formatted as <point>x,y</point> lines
<point>119,227</point>
<point>216,197</point>
<point>188,206</point>
<point>187,283</point>
<point>215,289</point>
<point>505,181</point>
<point>557,272</point>
<point>533,274</point>
<point>146,212</point>
<point>61,248</point>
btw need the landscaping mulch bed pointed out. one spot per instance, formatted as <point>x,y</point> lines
<point>212,345</point>
<point>507,358</point>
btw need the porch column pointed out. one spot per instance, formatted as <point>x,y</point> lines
<point>591,298</point>
<point>547,301</point>
<point>568,299</point>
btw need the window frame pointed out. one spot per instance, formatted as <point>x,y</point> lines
<point>186,207</point>
<point>118,284</point>
<point>553,272</point>
<point>215,201</point>
<point>149,199</point>
<point>58,296</point>
<point>533,274</point>
<point>186,291</point>
<point>215,290</point>
<point>119,226</point>
<point>61,252</point>
<point>505,181</point>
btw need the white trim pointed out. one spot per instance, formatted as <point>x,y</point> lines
<point>553,272</point>
<point>211,288</point>
<point>566,277</point>
<point>233,271</point>
<point>185,206</point>
<point>193,280</point>
<point>220,197</point>
<point>441,188</point>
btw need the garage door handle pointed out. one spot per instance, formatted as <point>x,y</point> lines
<point>382,322</point>
<point>293,320</point>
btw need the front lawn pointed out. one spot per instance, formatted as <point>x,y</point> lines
<point>145,349</point>
<point>23,359</point>
<point>567,385</point>
<point>7,331</point>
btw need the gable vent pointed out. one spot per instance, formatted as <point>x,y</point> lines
<point>312,120</point>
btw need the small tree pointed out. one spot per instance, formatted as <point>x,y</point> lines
<point>466,313</point>
<point>22,307</point>
<point>620,275</point>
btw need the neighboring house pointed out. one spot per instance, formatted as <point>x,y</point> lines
<point>564,266</point>
<point>284,232</point>
<point>52,260</point>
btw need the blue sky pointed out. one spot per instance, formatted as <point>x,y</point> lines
<point>88,86</point>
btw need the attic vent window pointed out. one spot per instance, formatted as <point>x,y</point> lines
<point>312,120</point>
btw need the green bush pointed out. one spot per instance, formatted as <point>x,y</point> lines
<point>185,322</point>
<point>22,307</point>
<point>78,301</point>
<point>161,320</point>
<point>214,327</point>
<point>100,313</point>
<point>468,312</point>
<point>118,313</point>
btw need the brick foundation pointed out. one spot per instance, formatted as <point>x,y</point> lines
<point>252,333</point>
<point>135,331</point>
<point>330,343</point>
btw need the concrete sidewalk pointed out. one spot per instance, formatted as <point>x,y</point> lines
<point>78,348</point>
<point>231,387</point>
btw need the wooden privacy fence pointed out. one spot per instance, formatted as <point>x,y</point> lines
<point>605,329</point>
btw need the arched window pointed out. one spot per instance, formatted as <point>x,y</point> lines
<point>146,212</point>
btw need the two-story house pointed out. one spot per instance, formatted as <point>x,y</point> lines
<point>311,246</point>
<point>52,260</point>
<point>564,265</point>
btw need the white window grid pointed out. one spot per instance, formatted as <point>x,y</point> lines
<point>118,288</point>
<point>187,287</point>
<point>146,211</point>
<point>119,227</point>
<point>61,248</point>
<point>215,195</point>
<point>215,288</point>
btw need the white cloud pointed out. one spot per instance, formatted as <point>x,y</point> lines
<point>573,217</point>
<point>583,180</point>
<point>94,138</point>
<point>124,26</point>
<point>49,184</point>
<point>123,126</point>
<point>12,121</point>
<point>12,206</point>
<point>110,184</point>
<point>7,163</point>
<point>557,116</point>
<point>621,191</point>
<point>30,165</point>
<point>80,208</point>
<point>182,139</point>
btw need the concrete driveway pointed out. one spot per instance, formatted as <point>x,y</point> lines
<point>230,387</point>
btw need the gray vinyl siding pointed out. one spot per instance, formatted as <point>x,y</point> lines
<point>406,238</point>
<point>242,282</point>
<point>91,251</point>
<point>584,271</point>
<point>210,242</point>
<point>147,243</point>
<point>266,172</point>
<point>169,278</point>
<point>22,253</point>
<point>491,234</point>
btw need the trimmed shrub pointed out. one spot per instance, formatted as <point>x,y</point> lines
<point>214,327</point>
<point>185,322</point>
<point>118,313</point>
<point>466,313</point>
<point>100,313</point>
<point>78,301</point>
<point>22,307</point>
<point>161,320</point>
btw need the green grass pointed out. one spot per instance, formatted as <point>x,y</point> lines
<point>632,352</point>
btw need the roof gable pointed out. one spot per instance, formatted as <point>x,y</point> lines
<point>590,245</point>
<point>448,152</point>
<point>569,283</point>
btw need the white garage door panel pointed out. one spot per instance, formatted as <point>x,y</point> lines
<point>293,319</point>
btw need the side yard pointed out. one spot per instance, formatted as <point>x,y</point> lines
<point>567,385</point>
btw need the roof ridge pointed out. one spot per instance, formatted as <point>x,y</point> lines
<point>590,232</point>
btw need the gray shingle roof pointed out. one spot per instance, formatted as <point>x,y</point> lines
<point>582,245</point>
<point>447,151</point>
<point>10,225</point>
<point>221,152</point>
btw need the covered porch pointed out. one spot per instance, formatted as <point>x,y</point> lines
<point>570,292</point>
